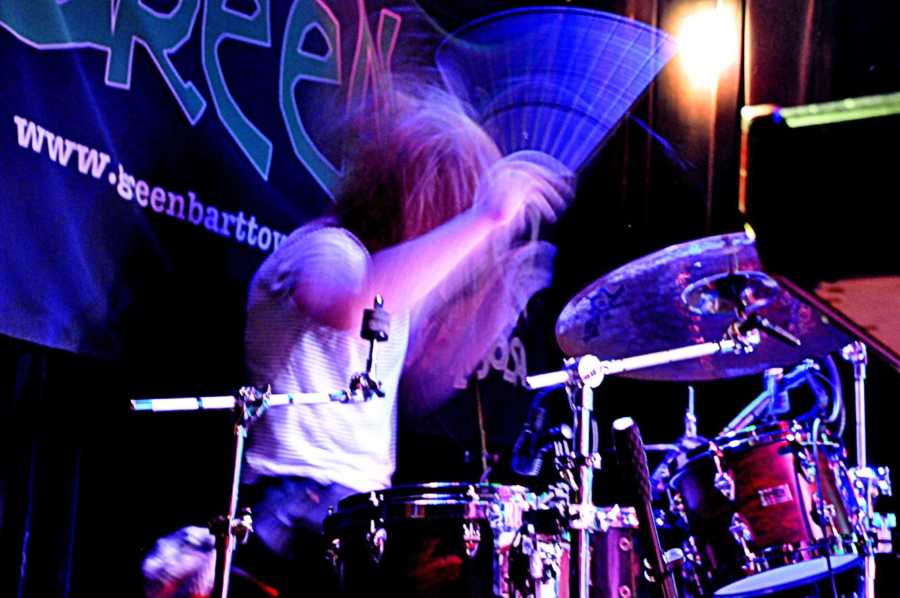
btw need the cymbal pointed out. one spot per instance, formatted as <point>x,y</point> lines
<point>687,294</point>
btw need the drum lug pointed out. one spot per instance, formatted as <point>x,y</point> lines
<point>869,483</point>
<point>723,480</point>
<point>877,479</point>
<point>376,538</point>
<point>882,525</point>
<point>693,567</point>
<point>807,467</point>
<point>676,506</point>
<point>471,538</point>
<point>724,483</point>
<point>333,555</point>
<point>740,531</point>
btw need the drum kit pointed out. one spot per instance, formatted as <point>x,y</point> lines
<point>769,506</point>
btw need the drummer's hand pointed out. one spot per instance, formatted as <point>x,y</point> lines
<point>524,178</point>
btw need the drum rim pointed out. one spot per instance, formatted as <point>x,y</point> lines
<point>745,438</point>
<point>430,492</point>
<point>736,589</point>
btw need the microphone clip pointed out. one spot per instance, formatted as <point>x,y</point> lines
<point>375,326</point>
<point>754,322</point>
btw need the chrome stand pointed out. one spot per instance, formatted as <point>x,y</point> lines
<point>855,353</point>
<point>584,509</point>
<point>235,527</point>
<point>581,376</point>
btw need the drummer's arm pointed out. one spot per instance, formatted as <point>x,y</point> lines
<point>338,289</point>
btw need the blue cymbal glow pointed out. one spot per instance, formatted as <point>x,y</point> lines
<point>555,79</point>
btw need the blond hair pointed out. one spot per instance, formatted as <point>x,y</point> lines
<point>413,163</point>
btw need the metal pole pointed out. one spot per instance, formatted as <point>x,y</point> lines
<point>585,503</point>
<point>855,353</point>
<point>226,528</point>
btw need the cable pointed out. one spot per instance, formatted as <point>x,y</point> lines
<point>835,403</point>
<point>823,522</point>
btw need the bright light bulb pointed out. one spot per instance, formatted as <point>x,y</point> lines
<point>707,45</point>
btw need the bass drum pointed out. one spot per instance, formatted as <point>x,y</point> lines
<point>752,507</point>
<point>437,540</point>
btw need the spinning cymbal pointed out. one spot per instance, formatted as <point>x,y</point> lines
<point>687,294</point>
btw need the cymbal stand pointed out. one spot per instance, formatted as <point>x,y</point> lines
<point>581,376</point>
<point>855,354</point>
<point>586,459</point>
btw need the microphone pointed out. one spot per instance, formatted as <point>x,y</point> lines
<point>526,458</point>
<point>760,405</point>
<point>633,464</point>
<point>781,402</point>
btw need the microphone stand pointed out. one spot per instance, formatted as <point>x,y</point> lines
<point>235,527</point>
<point>231,529</point>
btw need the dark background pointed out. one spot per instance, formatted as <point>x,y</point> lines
<point>87,486</point>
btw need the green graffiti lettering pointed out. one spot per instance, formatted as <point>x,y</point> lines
<point>298,65</point>
<point>49,25</point>
<point>114,28</point>
<point>162,35</point>
<point>372,58</point>
<point>219,24</point>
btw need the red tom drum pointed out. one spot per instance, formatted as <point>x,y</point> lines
<point>751,503</point>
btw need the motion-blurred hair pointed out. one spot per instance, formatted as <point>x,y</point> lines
<point>414,157</point>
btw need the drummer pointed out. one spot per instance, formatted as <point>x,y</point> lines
<point>426,199</point>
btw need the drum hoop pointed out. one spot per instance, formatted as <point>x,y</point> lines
<point>430,491</point>
<point>736,588</point>
<point>755,436</point>
<point>432,500</point>
<point>814,550</point>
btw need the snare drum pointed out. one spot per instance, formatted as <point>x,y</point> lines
<point>434,540</point>
<point>751,504</point>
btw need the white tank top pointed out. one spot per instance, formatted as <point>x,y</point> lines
<point>350,444</point>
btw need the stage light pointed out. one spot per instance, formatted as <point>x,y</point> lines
<point>707,44</point>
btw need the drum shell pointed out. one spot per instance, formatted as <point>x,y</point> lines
<point>775,497</point>
<point>615,555</point>
<point>424,530</point>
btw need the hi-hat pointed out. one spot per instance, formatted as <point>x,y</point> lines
<point>687,294</point>
<point>556,79</point>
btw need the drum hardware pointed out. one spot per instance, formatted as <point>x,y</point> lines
<point>643,307</point>
<point>723,480</point>
<point>676,506</point>
<point>693,568</point>
<point>471,538</point>
<point>740,531</point>
<point>249,405</point>
<point>376,538</point>
<point>689,441</point>
<point>807,465</point>
<point>877,525</point>
<point>375,326</point>
<point>535,563</point>
<point>447,539</point>
<point>583,374</point>
<point>759,407</point>
<point>333,555</point>
<point>855,353</point>
<point>630,448</point>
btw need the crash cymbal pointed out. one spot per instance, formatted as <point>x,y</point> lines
<point>687,294</point>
